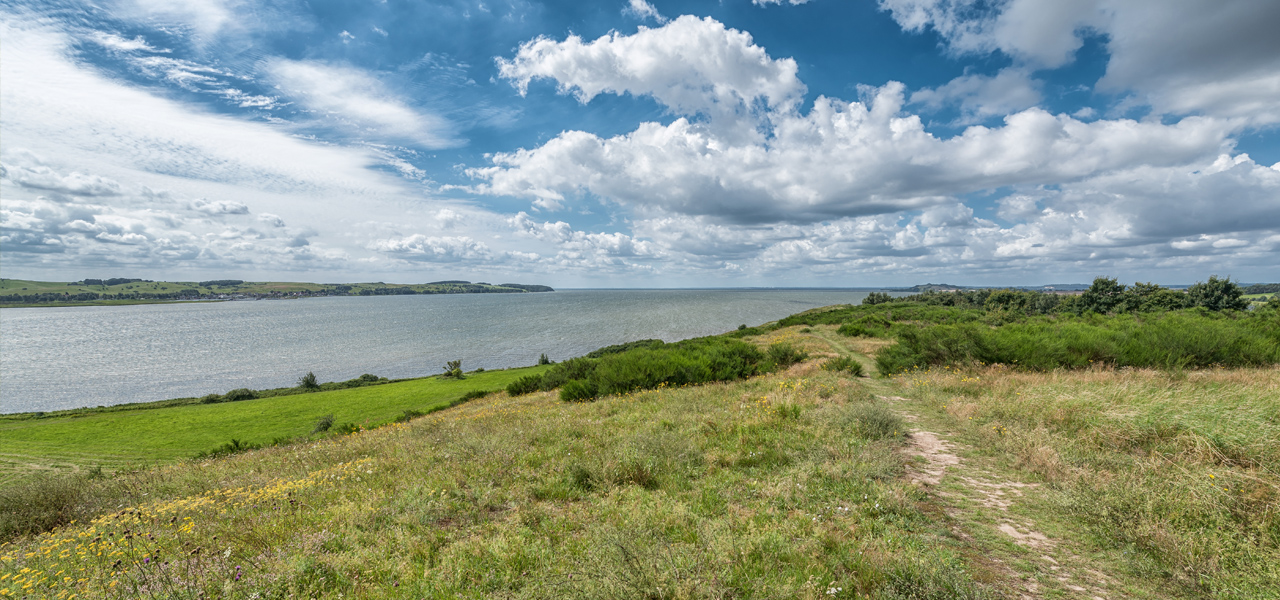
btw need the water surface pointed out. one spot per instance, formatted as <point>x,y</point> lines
<point>60,358</point>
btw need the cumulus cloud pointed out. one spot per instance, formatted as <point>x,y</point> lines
<point>690,65</point>
<point>445,249</point>
<point>27,170</point>
<point>220,207</point>
<point>354,98</point>
<point>840,159</point>
<point>981,97</point>
<point>1192,56</point>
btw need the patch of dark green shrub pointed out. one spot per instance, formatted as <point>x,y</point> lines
<point>620,348</point>
<point>323,424</point>
<point>474,395</point>
<point>239,394</point>
<point>543,360</point>
<point>453,369</point>
<point>233,447</point>
<point>844,364</point>
<point>784,354</point>
<point>408,415</point>
<point>577,390</point>
<point>525,385</point>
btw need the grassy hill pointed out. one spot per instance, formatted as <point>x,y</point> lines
<point>951,480</point>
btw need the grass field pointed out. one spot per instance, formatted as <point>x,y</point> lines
<point>113,440</point>
<point>961,482</point>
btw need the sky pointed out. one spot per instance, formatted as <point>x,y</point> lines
<point>738,143</point>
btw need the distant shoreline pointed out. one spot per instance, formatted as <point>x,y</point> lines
<point>20,293</point>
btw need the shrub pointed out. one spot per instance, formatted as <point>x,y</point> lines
<point>877,298</point>
<point>308,382</point>
<point>1217,294</point>
<point>211,399</point>
<point>346,428</point>
<point>474,395</point>
<point>784,354</point>
<point>233,447</point>
<point>323,424</point>
<point>239,394</point>
<point>525,385</point>
<point>574,368</point>
<point>577,390</point>
<point>453,369</point>
<point>408,415</point>
<point>844,363</point>
<point>543,360</point>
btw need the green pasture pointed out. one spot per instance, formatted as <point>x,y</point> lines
<point>136,437</point>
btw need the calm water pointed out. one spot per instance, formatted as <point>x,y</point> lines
<point>59,358</point>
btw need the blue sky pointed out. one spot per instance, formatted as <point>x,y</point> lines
<point>636,144</point>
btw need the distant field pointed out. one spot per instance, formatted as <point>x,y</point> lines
<point>117,439</point>
<point>22,292</point>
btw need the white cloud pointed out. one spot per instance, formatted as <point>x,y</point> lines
<point>642,10</point>
<point>840,159</point>
<point>423,248</point>
<point>1185,57</point>
<point>25,169</point>
<point>981,97</point>
<point>691,65</point>
<point>120,44</point>
<point>355,98</point>
<point>220,207</point>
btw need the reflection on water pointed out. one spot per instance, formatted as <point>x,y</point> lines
<point>59,358</point>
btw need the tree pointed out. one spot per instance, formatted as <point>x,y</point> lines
<point>1217,294</point>
<point>877,298</point>
<point>1149,297</point>
<point>1103,296</point>
<point>308,382</point>
<point>453,369</point>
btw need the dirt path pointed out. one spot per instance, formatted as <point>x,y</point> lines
<point>983,505</point>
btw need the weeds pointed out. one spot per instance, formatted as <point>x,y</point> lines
<point>844,364</point>
<point>323,424</point>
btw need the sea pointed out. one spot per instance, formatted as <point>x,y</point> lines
<point>73,357</point>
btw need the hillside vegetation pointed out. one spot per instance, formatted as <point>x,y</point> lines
<point>121,290</point>
<point>958,478</point>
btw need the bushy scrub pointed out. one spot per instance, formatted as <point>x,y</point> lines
<point>784,354</point>
<point>1175,340</point>
<point>639,366</point>
<point>844,364</point>
<point>525,385</point>
<point>239,394</point>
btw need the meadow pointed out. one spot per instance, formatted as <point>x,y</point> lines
<point>133,436</point>
<point>955,479</point>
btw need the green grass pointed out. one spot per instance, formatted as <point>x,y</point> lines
<point>118,438</point>
<point>671,493</point>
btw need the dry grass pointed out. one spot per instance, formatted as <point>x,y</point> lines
<point>1174,476</point>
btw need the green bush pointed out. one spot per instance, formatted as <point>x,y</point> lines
<point>543,360</point>
<point>525,385</point>
<point>844,363</point>
<point>784,354</point>
<point>211,399</point>
<point>453,369</point>
<point>577,390</point>
<point>474,395</point>
<point>239,394</point>
<point>323,424</point>
<point>408,415</point>
<point>574,368</point>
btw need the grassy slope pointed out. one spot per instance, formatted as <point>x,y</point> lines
<point>793,485</point>
<point>114,439</point>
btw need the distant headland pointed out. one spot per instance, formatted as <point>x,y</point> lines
<point>123,290</point>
